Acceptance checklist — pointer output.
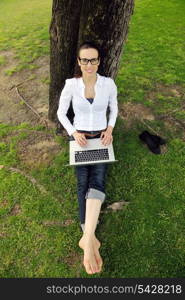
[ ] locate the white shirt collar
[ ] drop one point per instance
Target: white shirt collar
(98, 81)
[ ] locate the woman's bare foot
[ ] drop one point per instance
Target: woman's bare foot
(92, 259)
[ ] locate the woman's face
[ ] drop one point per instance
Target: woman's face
(88, 69)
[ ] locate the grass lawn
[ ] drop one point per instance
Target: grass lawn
(38, 204)
(25, 29)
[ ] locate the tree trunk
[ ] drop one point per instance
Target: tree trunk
(64, 30)
(73, 22)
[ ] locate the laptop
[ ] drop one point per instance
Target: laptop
(93, 152)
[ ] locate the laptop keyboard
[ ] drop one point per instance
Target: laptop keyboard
(91, 155)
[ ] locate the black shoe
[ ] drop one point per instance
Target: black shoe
(158, 140)
(153, 141)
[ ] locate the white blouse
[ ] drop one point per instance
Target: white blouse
(88, 117)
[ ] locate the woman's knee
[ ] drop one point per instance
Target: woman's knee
(97, 177)
(82, 181)
(82, 174)
(93, 193)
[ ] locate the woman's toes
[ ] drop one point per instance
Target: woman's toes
(100, 263)
(92, 259)
(94, 267)
(88, 267)
(98, 259)
(91, 265)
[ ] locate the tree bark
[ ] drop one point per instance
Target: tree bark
(64, 30)
(73, 22)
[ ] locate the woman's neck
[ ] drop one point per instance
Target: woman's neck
(89, 80)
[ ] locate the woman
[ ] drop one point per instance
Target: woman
(91, 94)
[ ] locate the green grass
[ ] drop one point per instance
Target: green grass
(154, 55)
(25, 30)
(147, 238)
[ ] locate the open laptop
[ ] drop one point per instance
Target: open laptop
(93, 152)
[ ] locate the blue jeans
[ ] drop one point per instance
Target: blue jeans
(90, 184)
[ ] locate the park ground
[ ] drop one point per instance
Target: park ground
(142, 222)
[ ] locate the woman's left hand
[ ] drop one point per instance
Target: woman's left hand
(106, 136)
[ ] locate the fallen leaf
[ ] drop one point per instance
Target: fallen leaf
(117, 205)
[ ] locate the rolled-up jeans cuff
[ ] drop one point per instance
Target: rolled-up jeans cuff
(95, 194)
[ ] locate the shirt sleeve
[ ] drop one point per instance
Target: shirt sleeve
(113, 104)
(64, 103)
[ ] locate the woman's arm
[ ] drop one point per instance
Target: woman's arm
(64, 102)
(113, 104)
(106, 135)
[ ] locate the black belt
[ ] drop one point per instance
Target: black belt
(91, 132)
(71, 138)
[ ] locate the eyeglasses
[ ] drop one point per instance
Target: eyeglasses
(93, 61)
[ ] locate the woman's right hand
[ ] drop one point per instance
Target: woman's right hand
(80, 138)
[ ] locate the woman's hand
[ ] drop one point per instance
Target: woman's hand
(80, 138)
(106, 136)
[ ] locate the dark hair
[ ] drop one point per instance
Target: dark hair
(85, 45)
